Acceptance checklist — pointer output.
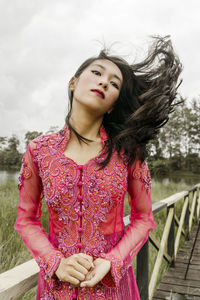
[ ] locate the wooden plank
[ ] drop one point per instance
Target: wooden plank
(18, 280)
(158, 206)
(165, 294)
(171, 237)
(188, 247)
(185, 261)
(178, 235)
(180, 289)
(183, 265)
(179, 273)
(174, 198)
(193, 283)
(186, 253)
(177, 223)
(159, 258)
(173, 279)
(156, 244)
(192, 210)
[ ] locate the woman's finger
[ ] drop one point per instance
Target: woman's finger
(73, 280)
(89, 275)
(78, 267)
(74, 273)
(85, 260)
(92, 282)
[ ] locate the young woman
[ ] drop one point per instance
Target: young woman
(85, 170)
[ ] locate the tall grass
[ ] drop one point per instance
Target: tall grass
(12, 250)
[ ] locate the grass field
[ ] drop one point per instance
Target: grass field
(12, 250)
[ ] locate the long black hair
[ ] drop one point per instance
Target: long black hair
(147, 97)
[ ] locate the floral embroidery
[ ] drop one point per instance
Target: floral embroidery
(47, 296)
(49, 264)
(101, 191)
(118, 270)
(143, 174)
(25, 173)
(80, 202)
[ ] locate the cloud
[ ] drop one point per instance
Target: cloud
(43, 43)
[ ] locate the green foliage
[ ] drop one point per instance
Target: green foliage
(158, 166)
(10, 157)
(177, 147)
(30, 135)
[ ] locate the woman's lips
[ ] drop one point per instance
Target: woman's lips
(99, 93)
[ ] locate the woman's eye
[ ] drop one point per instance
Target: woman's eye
(96, 72)
(115, 85)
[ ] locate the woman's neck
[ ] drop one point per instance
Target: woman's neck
(86, 126)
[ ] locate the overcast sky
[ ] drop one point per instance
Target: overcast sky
(42, 43)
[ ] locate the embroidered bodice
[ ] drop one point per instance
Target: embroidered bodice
(85, 207)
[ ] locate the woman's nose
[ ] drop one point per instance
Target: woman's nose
(104, 84)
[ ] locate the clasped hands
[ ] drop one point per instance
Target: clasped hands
(82, 271)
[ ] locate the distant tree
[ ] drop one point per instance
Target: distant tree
(13, 143)
(30, 135)
(10, 158)
(177, 147)
(3, 141)
(194, 128)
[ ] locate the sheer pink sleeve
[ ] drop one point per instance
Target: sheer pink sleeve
(141, 222)
(28, 222)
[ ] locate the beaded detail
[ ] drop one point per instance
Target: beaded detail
(25, 173)
(118, 269)
(49, 264)
(143, 175)
(85, 214)
(101, 190)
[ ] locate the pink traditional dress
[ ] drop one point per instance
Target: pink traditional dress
(85, 215)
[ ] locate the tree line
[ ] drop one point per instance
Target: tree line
(176, 148)
(10, 156)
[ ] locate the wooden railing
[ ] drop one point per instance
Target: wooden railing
(22, 278)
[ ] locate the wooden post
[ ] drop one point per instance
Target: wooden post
(186, 223)
(196, 208)
(143, 271)
(192, 213)
(198, 200)
(171, 239)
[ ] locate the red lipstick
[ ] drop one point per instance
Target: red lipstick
(99, 93)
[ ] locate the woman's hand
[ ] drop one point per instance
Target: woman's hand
(74, 268)
(101, 268)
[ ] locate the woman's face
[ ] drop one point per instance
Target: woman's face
(98, 86)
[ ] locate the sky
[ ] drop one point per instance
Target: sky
(43, 42)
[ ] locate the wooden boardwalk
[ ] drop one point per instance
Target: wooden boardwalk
(173, 285)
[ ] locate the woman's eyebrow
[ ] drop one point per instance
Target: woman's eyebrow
(114, 75)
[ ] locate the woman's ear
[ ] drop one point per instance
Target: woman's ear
(72, 84)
